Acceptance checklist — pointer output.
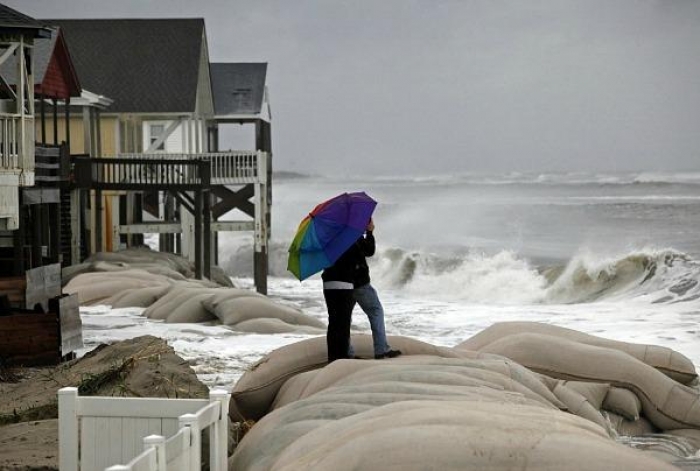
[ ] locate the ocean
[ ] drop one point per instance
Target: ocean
(614, 255)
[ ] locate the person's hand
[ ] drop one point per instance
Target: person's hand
(370, 225)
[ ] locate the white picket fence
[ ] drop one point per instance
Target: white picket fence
(148, 434)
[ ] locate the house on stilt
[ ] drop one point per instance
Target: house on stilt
(157, 168)
(38, 324)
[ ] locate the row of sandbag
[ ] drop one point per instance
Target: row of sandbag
(597, 379)
(432, 408)
(170, 265)
(637, 397)
(662, 379)
(178, 300)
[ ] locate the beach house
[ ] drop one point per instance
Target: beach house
(37, 323)
(158, 75)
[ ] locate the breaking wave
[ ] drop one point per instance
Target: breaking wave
(657, 276)
(650, 275)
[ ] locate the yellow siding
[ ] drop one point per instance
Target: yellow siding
(108, 133)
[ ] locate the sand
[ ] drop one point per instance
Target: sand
(141, 367)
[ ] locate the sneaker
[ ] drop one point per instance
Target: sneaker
(388, 354)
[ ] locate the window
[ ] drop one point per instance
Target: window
(156, 131)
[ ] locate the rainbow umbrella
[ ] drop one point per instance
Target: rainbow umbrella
(328, 231)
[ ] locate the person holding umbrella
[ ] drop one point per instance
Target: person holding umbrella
(322, 242)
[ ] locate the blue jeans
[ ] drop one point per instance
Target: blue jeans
(366, 297)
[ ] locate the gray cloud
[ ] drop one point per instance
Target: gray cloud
(411, 86)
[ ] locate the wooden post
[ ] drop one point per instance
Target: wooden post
(87, 131)
(19, 239)
(75, 225)
(36, 235)
(127, 210)
(197, 246)
(67, 118)
(137, 239)
(263, 144)
(206, 210)
(54, 211)
(98, 220)
(207, 233)
(42, 108)
(55, 122)
(169, 211)
(260, 260)
(98, 133)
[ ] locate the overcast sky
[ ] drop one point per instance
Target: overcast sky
(435, 86)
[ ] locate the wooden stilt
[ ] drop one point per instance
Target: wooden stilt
(207, 233)
(36, 235)
(98, 220)
(19, 241)
(54, 211)
(55, 122)
(197, 246)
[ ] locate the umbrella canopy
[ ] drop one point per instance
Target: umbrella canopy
(328, 231)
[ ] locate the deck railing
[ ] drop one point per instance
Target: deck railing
(97, 432)
(121, 173)
(233, 167)
(16, 153)
(177, 171)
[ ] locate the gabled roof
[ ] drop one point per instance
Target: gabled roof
(238, 88)
(54, 73)
(14, 21)
(144, 65)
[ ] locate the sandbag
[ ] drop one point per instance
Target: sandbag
(256, 389)
(671, 363)
(137, 297)
(158, 269)
(165, 263)
(93, 288)
(145, 255)
(244, 308)
(293, 389)
(630, 428)
(594, 393)
(667, 403)
(271, 325)
(227, 294)
(577, 403)
(440, 435)
(190, 310)
(435, 375)
(623, 402)
(177, 294)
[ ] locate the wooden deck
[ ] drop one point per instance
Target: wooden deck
(197, 181)
(178, 172)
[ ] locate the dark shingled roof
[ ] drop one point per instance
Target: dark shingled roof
(42, 54)
(238, 88)
(13, 20)
(43, 49)
(144, 65)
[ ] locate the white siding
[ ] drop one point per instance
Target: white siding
(175, 143)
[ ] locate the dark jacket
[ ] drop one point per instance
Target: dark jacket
(343, 269)
(352, 267)
(364, 247)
